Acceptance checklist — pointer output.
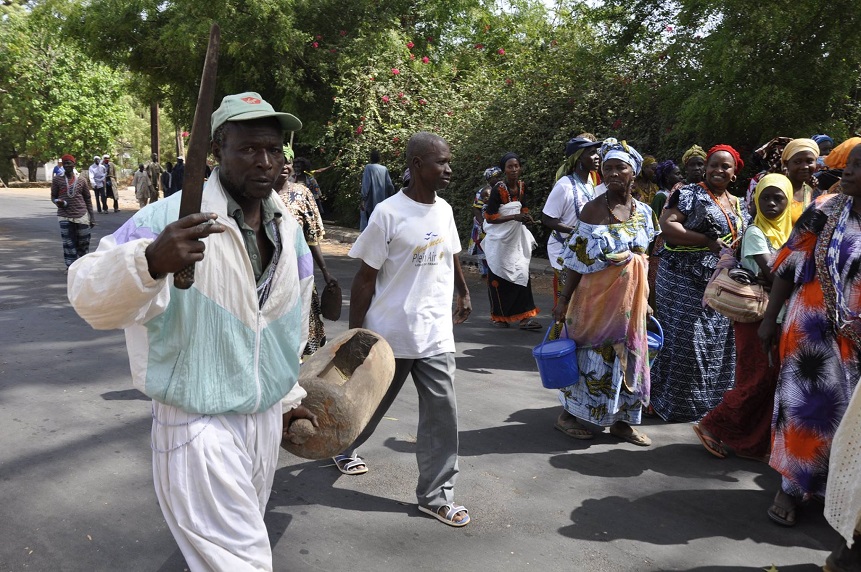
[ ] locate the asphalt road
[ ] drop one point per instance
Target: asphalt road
(76, 486)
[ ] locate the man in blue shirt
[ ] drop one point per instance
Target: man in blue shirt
(376, 187)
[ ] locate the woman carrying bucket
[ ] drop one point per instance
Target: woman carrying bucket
(606, 267)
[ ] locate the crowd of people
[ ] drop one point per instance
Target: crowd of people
(633, 237)
(634, 240)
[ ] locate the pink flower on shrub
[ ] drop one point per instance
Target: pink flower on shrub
(412, 56)
(410, 45)
(395, 139)
(425, 60)
(332, 51)
(400, 94)
(395, 71)
(315, 45)
(479, 46)
(429, 39)
(359, 129)
(319, 37)
(500, 51)
(422, 102)
(508, 81)
(617, 124)
(385, 99)
(343, 32)
(185, 133)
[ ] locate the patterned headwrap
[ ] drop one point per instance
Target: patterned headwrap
(624, 152)
(492, 172)
(770, 153)
(606, 145)
(822, 139)
(694, 151)
(777, 230)
(840, 154)
(739, 164)
(68, 157)
(663, 169)
(796, 146)
(506, 158)
(648, 160)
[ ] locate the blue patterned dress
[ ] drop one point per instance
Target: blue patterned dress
(697, 363)
(609, 390)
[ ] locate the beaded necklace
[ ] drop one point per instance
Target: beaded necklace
(612, 214)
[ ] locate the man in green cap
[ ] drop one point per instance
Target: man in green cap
(221, 359)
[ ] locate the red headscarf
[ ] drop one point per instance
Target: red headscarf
(739, 164)
(68, 157)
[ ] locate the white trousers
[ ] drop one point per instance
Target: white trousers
(213, 476)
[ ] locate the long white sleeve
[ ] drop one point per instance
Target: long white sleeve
(112, 287)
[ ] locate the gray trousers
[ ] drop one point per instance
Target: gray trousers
(436, 439)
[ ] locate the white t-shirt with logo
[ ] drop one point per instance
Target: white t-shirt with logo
(565, 202)
(412, 245)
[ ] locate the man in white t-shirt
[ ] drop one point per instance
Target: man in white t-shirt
(403, 291)
(561, 212)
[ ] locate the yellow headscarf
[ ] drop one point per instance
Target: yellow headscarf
(776, 230)
(798, 145)
(694, 151)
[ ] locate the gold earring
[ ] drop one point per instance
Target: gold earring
(733, 179)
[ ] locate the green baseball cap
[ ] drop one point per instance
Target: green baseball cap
(247, 106)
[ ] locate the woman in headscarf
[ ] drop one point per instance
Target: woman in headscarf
(605, 262)
(508, 249)
(826, 144)
(742, 420)
(829, 180)
(645, 185)
(573, 189)
(697, 363)
(694, 164)
(301, 204)
(799, 164)
(491, 177)
(767, 159)
(819, 272)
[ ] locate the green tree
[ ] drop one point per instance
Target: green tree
(53, 100)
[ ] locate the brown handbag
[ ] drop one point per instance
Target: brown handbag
(330, 302)
(739, 300)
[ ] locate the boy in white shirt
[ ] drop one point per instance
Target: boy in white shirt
(403, 291)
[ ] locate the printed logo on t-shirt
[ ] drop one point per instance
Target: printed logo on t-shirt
(428, 254)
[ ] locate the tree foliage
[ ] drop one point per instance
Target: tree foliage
(53, 100)
(488, 76)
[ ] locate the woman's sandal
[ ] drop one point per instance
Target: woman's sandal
(531, 325)
(500, 324)
(350, 465)
(451, 511)
(634, 437)
(711, 444)
(575, 430)
(788, 505)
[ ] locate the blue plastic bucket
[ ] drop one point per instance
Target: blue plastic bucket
(557, 361)
(655, 336)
